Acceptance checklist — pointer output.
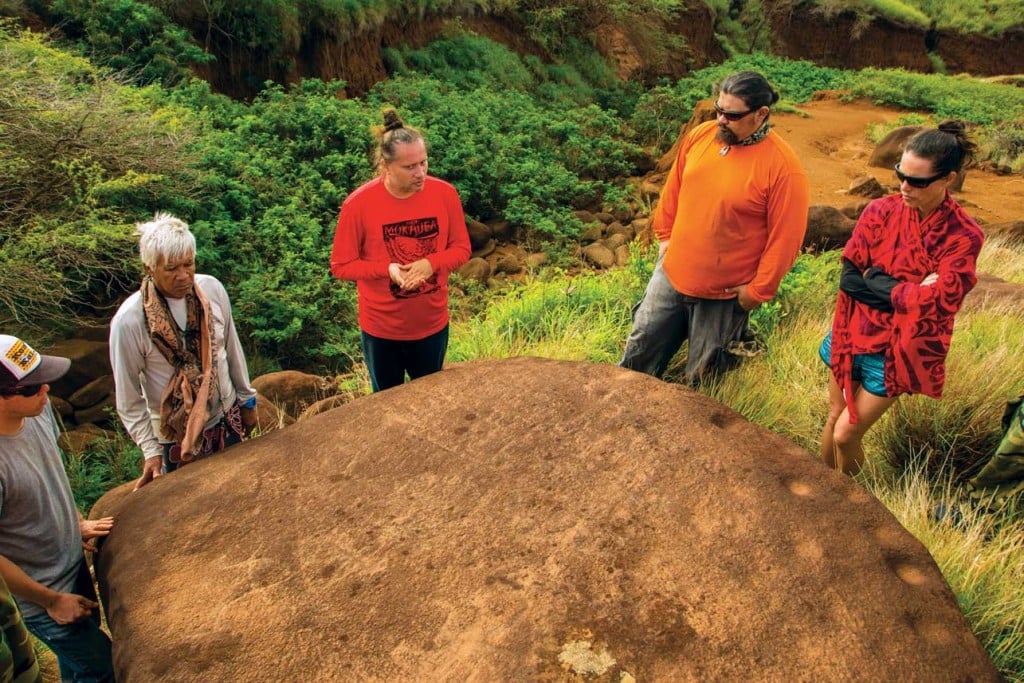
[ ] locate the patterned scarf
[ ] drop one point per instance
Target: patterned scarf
(184, 406)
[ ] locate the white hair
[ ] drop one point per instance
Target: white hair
(165, 238)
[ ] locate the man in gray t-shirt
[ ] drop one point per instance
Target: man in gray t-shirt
(41, 530)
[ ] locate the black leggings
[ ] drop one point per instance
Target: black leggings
(388, 359)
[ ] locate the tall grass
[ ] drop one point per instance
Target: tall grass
(569, 318)
(981, 556)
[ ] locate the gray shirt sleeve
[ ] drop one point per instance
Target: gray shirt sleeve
(128, 361)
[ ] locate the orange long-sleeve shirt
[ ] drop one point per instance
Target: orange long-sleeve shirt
(731, 219)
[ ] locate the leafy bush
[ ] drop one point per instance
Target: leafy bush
(510, 156)
(132, 37)
(103, 465)
(662, 111)
(83, 157)
(877, 131)
(272, 176)
(958, 97)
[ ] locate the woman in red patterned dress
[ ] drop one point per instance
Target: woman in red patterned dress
(906, 269)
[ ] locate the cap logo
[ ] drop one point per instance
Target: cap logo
(23, 357)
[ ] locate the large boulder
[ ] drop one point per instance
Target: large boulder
(523, 519)
(889, 149)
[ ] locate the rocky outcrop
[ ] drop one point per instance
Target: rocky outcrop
(523, 519)
(853, 40)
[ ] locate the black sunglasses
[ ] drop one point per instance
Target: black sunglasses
(25, 392)
(915, 181)
(731, 115)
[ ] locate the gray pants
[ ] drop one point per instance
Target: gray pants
(664, 319)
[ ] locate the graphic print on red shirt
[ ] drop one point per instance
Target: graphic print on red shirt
(410, 241)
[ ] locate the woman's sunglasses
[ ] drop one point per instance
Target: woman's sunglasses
(731, 115)
(25, 392)
(915, 181)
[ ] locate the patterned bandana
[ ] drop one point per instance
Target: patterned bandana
(756, 136)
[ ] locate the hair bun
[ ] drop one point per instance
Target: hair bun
(954, 128)
(392, 121)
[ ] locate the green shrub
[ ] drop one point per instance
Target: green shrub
(510, 156)
(877, 131)
(958, 97)
(83, 157)
(131, 37)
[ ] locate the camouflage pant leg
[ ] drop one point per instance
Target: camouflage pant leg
(17, 656)
(1002, 478)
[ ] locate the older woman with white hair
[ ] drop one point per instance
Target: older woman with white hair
(182, 383)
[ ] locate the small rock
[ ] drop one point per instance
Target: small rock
(599, 255)
(486, 250)
(614, 241)
(479, 233)
(93, 392)
(475, 268)
(866, 186)
(509, 265)
(592, 234)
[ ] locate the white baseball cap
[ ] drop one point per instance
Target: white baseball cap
(21, 365)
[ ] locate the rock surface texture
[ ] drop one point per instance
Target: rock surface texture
(523, 519)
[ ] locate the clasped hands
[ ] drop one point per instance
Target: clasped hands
(411, 275)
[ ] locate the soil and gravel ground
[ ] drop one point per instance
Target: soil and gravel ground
(831, 139)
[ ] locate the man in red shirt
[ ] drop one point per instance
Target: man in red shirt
(730, 222)
(398, 237)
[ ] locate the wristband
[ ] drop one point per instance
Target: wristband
(249, 404)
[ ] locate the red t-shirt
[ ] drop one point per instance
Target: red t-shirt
(376, 229)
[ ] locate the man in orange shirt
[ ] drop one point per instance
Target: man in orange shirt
(730, 222)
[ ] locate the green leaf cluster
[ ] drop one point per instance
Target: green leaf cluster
(130, 37)
(81, 153)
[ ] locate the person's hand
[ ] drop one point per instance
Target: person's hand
(67, 608)
(397, 275)
(746, 302)
(662, 248)
(930, 279)
(250, 419)
(92, 529)
(151, 470)
(417, 273)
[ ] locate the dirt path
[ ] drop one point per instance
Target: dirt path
(832, 143)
